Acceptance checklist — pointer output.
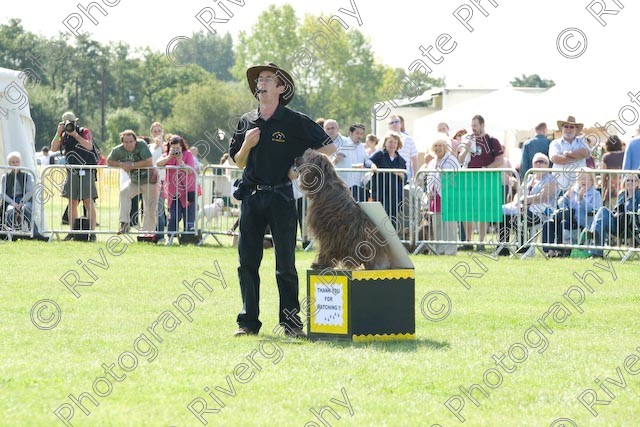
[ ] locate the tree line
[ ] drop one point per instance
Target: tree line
(202, 90)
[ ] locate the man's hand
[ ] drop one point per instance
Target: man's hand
(60, 129)
(293, 173)
(252, 137)
(126, 166)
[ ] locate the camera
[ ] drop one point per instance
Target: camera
(175, 151)
(69, 126)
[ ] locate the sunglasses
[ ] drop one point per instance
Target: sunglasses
(568, 127)
(394, 122)
(540, 161)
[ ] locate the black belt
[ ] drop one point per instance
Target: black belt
(260, 187)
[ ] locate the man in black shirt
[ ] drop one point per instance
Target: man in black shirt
(266, 143)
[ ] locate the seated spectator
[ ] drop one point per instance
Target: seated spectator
(577, 208)
(16, 190)
(612, 159)
(443, 161)
(387, 188)
(540, 200)
(622, 220)
(180, 185)
(133, 157)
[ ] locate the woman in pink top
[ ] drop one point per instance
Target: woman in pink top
(180, 184)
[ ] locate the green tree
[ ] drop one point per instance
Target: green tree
(118, 121)
(532, 80)
(205, 108)
(46, 104)
(213, 53)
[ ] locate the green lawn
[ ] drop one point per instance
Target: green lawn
(385, 384)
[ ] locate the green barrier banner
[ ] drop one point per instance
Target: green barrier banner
(472, 196)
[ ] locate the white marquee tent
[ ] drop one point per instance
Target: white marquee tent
(17, 130)
(504, 111)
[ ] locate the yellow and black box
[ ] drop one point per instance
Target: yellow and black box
(361, 305)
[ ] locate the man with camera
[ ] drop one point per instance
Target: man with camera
(134, 157)
(76, 143)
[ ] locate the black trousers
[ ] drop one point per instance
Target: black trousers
(278, 210)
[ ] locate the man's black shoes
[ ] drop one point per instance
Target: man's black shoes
(244, 331)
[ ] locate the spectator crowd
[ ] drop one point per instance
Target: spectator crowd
(569, 197)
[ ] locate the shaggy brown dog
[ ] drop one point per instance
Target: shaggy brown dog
(346, 236)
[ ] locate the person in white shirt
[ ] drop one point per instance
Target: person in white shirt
(408, 152)
(332, 129)
(569, 153)
(156, 148)
(46, 157)
(352, 154)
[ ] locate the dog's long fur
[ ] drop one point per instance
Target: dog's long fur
(336, 221)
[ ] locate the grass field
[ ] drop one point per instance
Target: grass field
(377, 384)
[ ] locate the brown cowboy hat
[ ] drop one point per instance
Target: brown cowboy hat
(570, 121)
(285, 78)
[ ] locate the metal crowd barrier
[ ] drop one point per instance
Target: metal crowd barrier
(428, 212)
(585, 218)
(116, 199)
(219, 212)
(18, 221)
(446, 199)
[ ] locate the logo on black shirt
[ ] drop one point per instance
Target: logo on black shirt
(277, 137)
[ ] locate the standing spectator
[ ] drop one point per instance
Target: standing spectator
(198, 164)
(371, 144)
(180, 186)
(351, 154)
(538, 144)
(265, 144)
(408, 152)
(568, 153)
(442, 161)
(333, 130)
(77, 145)
(157, 149)
(46, 158)
(443, 128)
(631, 160)
(133, 157)
(387, 187)
(16, 189)
(486, 152)
(612, 159)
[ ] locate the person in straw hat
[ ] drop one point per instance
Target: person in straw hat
(568, 153)
(265, 144)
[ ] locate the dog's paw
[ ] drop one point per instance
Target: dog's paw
(317, 266)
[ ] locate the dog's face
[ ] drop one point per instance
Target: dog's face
(314, 168)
